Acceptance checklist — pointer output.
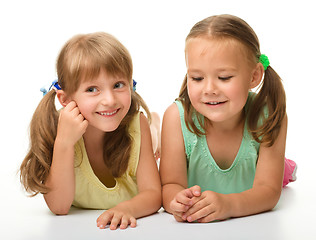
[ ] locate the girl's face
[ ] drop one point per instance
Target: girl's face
(104, 101)
(219, 77)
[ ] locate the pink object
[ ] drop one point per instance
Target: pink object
(289, 171)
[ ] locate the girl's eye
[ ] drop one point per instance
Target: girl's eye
(197, 78)
(92, 89)
(119, 85)
(225, 78)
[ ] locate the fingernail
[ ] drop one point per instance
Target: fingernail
(189, 219)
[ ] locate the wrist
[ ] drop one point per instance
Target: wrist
(125, 207)
(63, 143)
(234, 205)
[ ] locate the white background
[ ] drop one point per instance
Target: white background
(33, 32)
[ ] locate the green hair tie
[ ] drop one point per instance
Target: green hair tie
(265, 61)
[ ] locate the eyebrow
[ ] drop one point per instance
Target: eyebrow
(194, 71)
(221, 69)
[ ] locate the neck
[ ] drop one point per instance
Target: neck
(93, 138)
(228, 125)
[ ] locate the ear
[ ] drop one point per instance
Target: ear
(257, 75)
(63, 98)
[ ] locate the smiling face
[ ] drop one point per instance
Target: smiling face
(219, 77)
(104, 101)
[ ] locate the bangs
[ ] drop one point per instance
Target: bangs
(84, 59)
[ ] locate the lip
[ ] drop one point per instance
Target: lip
(215, 103)
(109, 113)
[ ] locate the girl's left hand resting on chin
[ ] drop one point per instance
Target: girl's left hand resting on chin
(116, 216)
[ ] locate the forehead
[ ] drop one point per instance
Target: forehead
(213, 51)
(91, 75)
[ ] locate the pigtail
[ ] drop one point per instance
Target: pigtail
(43, 130)
(272, 95)
(141, 103)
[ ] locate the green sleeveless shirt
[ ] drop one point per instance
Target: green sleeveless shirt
(202, 169)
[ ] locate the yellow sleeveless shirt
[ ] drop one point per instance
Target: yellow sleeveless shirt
(91, 192)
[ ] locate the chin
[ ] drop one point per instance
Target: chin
(110, 128)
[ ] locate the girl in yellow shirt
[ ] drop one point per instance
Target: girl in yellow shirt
(97, 151)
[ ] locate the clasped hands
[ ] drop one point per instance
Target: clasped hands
(193, 205)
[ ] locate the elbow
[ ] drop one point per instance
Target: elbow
(59, 211)
(158, 201)
(273, 199)
(58, 206)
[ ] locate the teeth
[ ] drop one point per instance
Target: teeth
(108, 113)
(213, 103)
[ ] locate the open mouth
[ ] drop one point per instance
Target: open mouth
(214, 103)
(108, 113)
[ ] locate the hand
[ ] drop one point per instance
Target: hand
(183, 201)
(210, 206)
(116, 216)
(71, 124)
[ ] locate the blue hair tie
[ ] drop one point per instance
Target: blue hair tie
(54, 86)
(134, 85)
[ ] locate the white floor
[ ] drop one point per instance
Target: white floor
(29, 218)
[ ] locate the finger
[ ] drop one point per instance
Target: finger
(133, 222)
(178, 219)
(71, 105)
(179, 215)
(124, 222)
(115, 221)
(80, 118)
(199, 203)
(201, 213)
(75, 111)
(184, 197)
(85, 124)
(208, 218)
(104, 219)
(178, 207)
(196, 190)
(195, 200)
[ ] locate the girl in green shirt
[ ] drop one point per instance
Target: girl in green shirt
(223, 147)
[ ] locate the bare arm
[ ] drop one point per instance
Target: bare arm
(61, 178)
(267, 186)
(173, 168)
(148, 199)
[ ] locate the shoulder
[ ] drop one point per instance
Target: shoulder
(142, 119)
(172, 112)
(171, 125)
(143, 122)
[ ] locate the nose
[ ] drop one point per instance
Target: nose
(210, 87)
(108, 98)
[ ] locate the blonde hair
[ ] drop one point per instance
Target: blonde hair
(271, 94)
(81, 58)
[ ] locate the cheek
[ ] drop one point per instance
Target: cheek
(127, 100)
(239, 95)
(192, 91)
(85, 108)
